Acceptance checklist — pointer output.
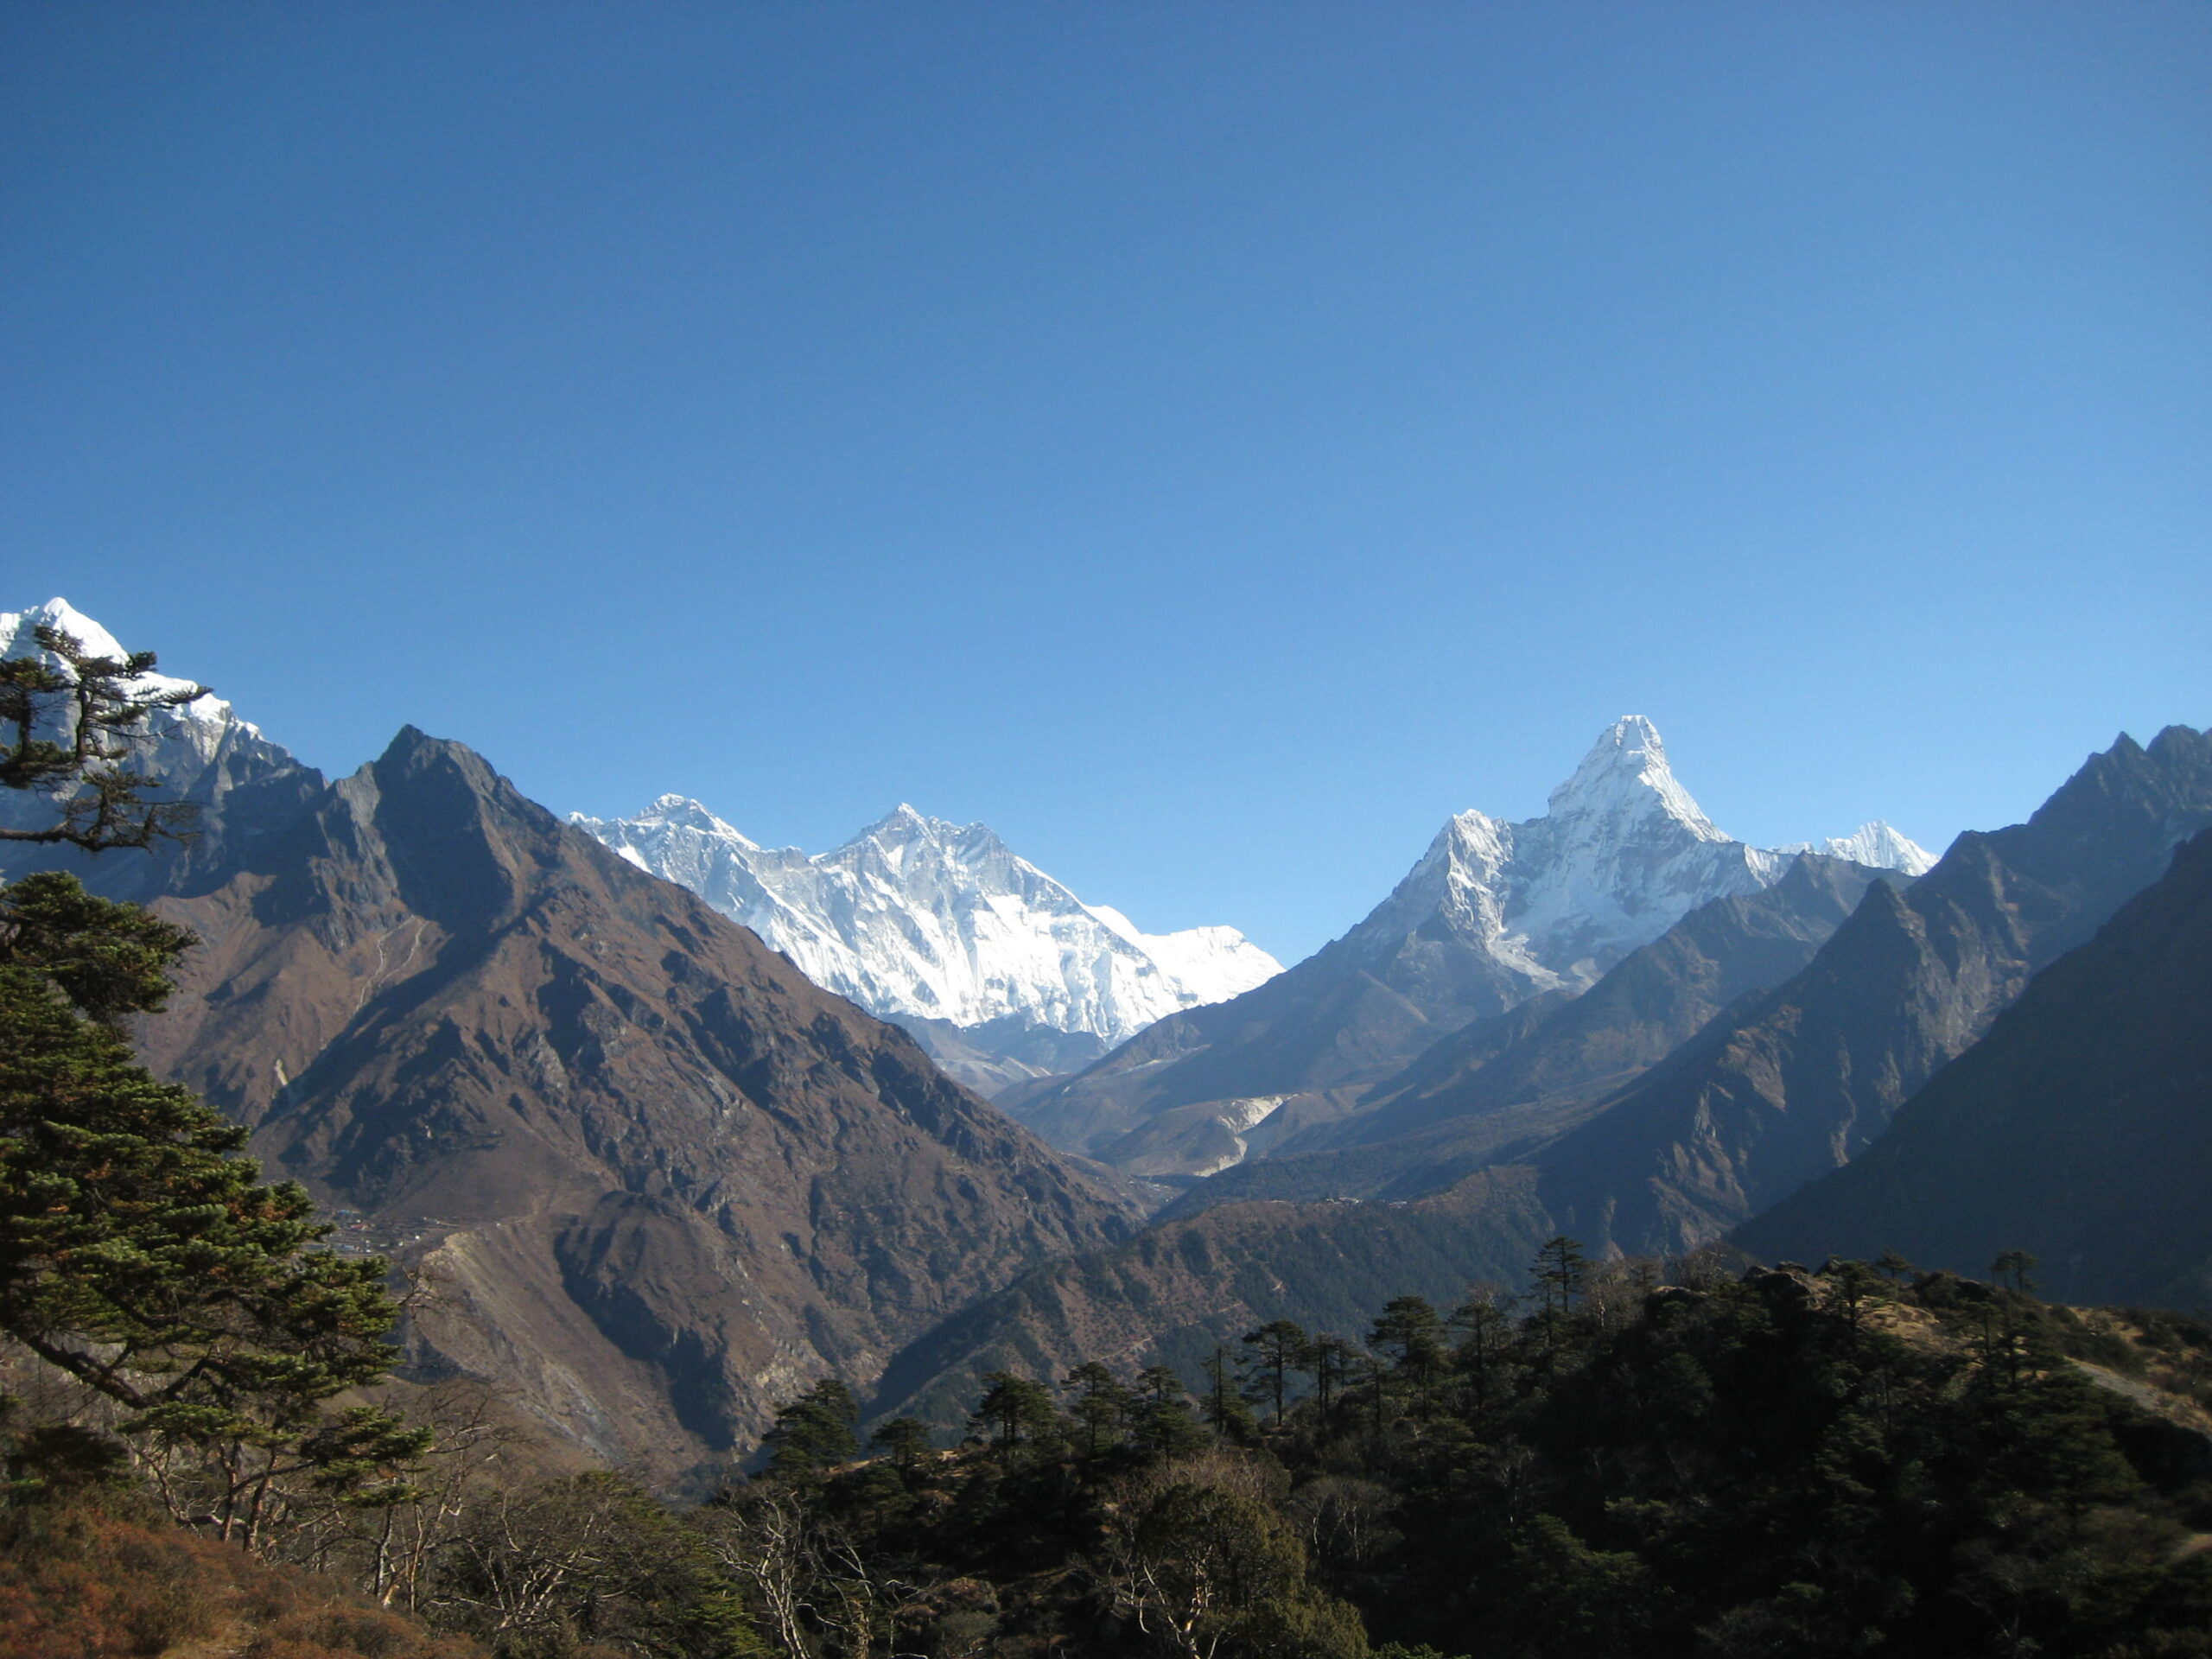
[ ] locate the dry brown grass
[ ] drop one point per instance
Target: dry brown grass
(97, 1578)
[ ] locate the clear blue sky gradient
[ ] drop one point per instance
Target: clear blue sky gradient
(1209, 443)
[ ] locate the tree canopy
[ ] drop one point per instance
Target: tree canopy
(141, 1252)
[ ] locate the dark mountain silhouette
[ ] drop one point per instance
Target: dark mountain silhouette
(1781, 1094)
(2079, 1129)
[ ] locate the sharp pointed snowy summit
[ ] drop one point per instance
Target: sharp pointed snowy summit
(1621, 853)
(1496, 913)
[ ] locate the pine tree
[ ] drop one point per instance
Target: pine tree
(2016, 1268)
(1409, 1331)
(1165, 1424)
(1562, 1271)
(140, 1251)
(903, 1440)
(815, 1431)
(1014, 1409)
(1278, 1348)
(1225, 1409)
(1329, 1360)
(1486, 1334)
(66, 731)
(1102, 1405)
(111, 961)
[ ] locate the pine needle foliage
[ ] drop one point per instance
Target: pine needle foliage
(142, 1253)
(69, 720)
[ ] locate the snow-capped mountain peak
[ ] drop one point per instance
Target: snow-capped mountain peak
(18, 638)
(1873, 843)
(917, 917)
(683, 811)
(195, 753)
(1621, 853)
(1623, 779)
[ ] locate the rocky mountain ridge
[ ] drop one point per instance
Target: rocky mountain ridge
(660, 1180)
(2079, 1129)
(1498, 1144)
(1520, 1080)
(1800, 1082)
(1495, 913)
(652, 1179)
(657, 1180)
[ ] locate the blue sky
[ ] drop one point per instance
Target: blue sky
(1209, 443)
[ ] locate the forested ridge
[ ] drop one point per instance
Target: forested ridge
(1769, 1461)
(1731, 1462)
(1635, 1460)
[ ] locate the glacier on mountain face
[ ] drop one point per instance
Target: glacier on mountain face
(1621, 855)
(916, 918)
(1875, 844)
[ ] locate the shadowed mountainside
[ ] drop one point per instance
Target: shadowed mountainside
(1907, 983)
(1514, 1080)
(1493, 915)
(2079, 1129)
(1182, 1286)
(1763, 1104)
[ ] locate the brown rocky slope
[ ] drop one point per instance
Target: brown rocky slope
(655, 1179)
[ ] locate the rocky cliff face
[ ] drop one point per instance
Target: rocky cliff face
(655, 1179)
(2079, 1129)
(1494, 914)
(1002, 971)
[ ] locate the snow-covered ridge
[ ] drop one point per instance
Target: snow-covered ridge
(202, 725)
(1621, 853)
(1873, 843)
(917, 918)
(196, 752)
